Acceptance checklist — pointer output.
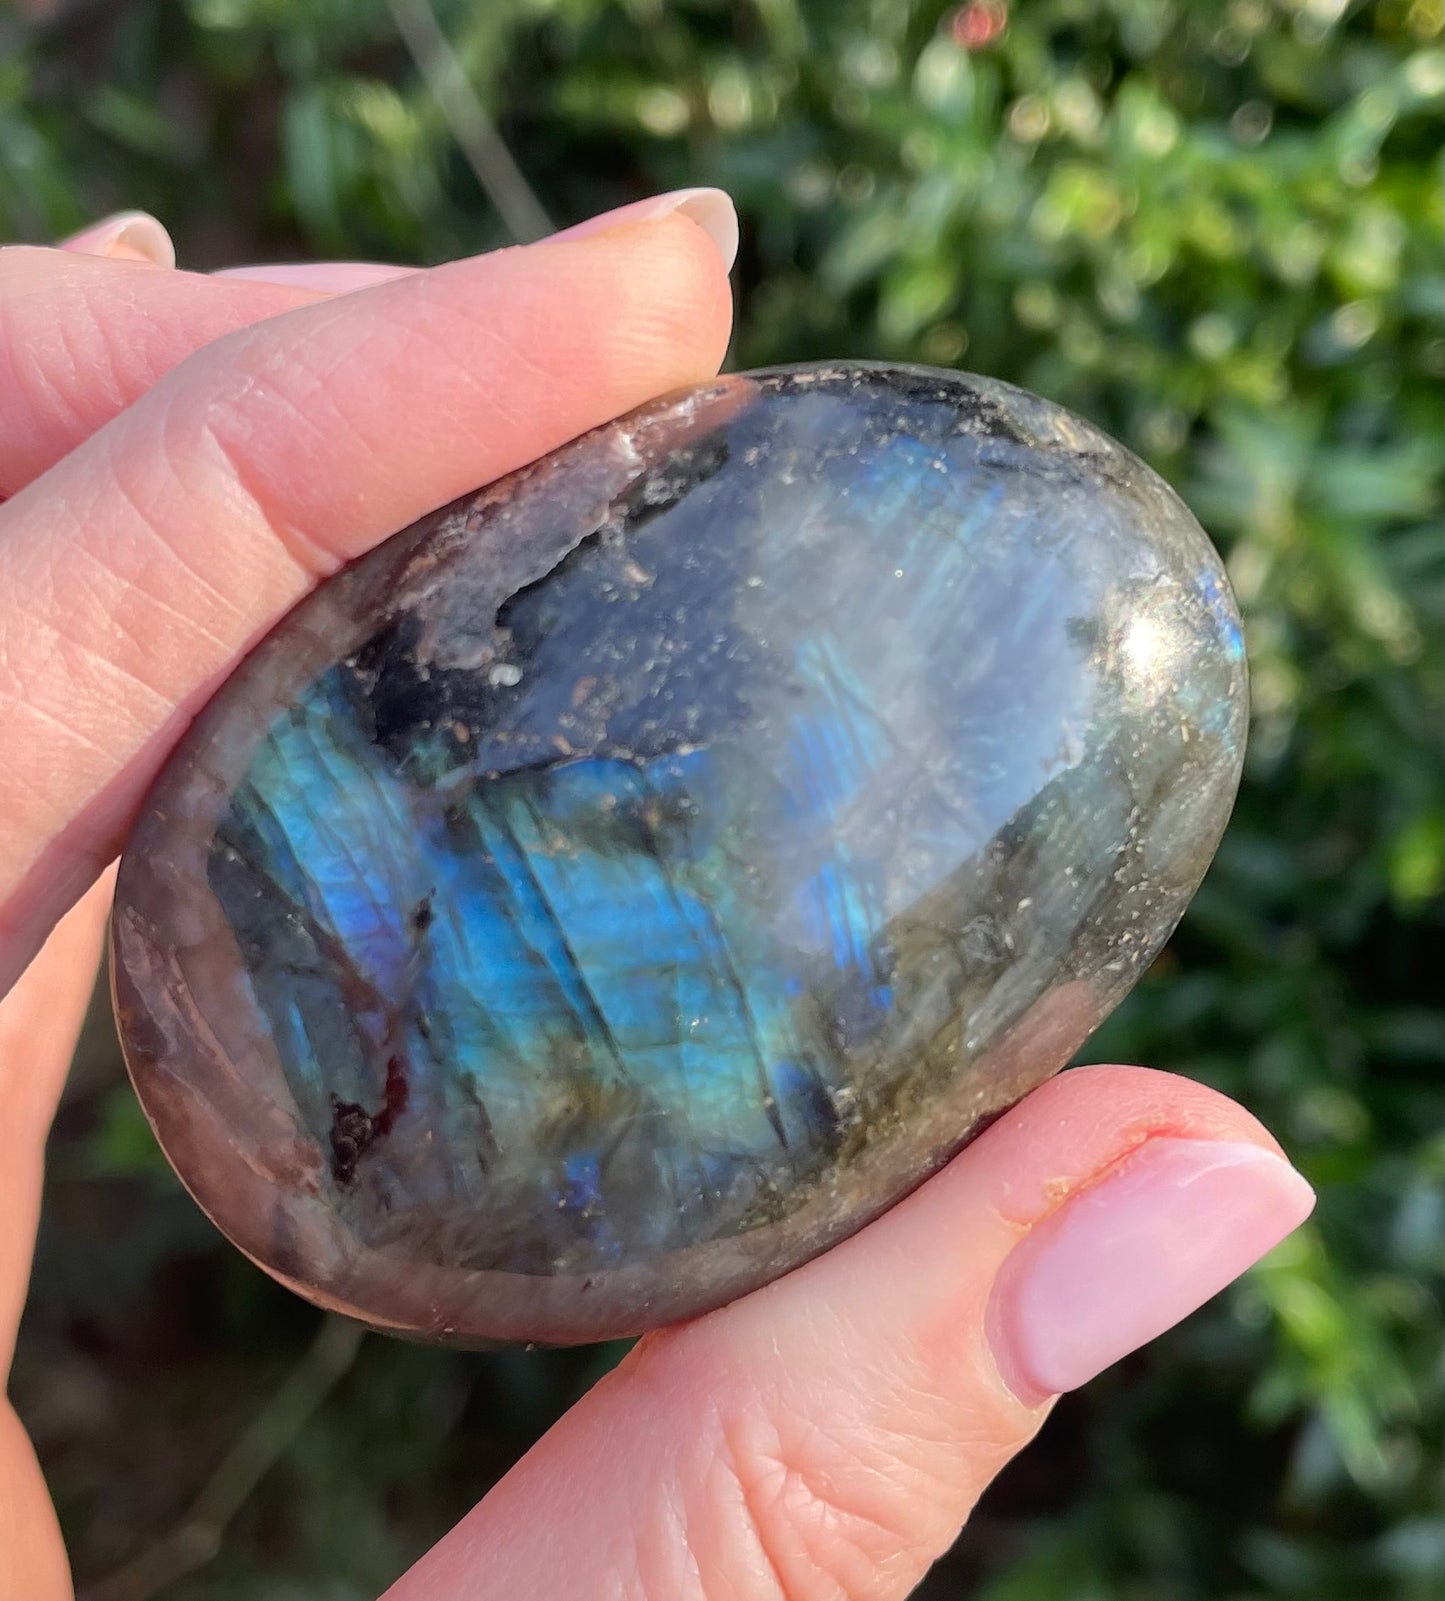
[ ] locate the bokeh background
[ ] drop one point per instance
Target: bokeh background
(1214, 228)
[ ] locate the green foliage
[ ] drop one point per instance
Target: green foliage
(1212, 227)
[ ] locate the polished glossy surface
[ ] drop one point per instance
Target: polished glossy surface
(632, 878)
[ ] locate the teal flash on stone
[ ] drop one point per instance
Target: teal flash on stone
(631, 879)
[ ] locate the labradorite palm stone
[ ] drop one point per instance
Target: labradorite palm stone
(632, 878)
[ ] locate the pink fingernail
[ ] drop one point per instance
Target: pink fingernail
(334, 277)
(1129, 1256)
(711, 209)
(127, 236)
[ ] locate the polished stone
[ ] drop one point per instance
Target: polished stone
(632, 878)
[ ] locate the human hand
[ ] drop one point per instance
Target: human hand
(185, 457)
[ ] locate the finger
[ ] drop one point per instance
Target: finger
(39, 1024)
(82, 337)
(827, 1436)
(32, 1554)
(126, 236)
(711, 209)
(333, 277)
(136, 572)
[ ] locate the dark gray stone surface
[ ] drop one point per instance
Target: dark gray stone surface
(634, 877)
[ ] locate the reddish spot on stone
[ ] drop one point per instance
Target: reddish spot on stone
(394, 1105)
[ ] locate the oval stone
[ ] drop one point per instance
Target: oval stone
(629, 880)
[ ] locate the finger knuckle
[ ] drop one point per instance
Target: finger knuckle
(842, 1508)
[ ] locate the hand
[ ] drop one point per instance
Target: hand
(185, 457)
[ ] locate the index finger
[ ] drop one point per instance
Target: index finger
(136, 572)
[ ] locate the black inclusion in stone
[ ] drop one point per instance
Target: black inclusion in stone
(354, 1130)
(632, 878)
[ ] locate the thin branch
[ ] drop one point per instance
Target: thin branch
(474, 131)
(196, 1539)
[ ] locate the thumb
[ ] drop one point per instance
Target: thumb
(828, 1435)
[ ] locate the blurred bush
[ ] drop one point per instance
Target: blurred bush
(1212, 227)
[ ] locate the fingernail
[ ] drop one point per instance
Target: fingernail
(711, 209)
(334, 277)
(1128, 1257)
(127, 236)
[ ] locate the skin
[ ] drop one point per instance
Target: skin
(825, 1437)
